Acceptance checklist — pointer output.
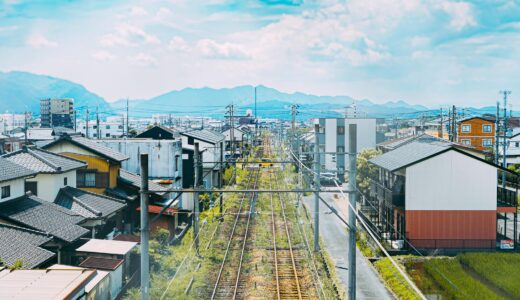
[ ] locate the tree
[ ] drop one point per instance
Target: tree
(366, 170)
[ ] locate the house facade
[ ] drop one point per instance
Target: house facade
(477, 132)
(431, 195)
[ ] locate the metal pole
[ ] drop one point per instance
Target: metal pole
(145, 230)
(504, 146)
(196, 206)
(317, 186)
(221, 176)
(25, 127)
(497, 130)
(352, 184)
(87, 119)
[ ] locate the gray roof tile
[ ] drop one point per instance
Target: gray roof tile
(38, 214)
(86, 204)
(24, 244)
(90, 145)
(10, 170)
(42, 161)
(135, 180)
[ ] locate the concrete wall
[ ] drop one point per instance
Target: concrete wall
(17, 188)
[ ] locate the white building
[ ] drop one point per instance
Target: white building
(10, 122)
(333, 137)
(12, 180)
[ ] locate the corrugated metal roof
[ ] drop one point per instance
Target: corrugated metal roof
(107, 247)
(408, 154)
(101, 263)
(205, 135)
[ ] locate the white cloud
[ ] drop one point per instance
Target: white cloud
(8, 28)
(38, 40)
(461, 14)
(419, 41)
(143, 60)
(211, 49)
(138, 11)
(103, 55)
(163, 13)
(177, 43)
(128, 35)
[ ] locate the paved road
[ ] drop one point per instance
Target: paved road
(333, 233)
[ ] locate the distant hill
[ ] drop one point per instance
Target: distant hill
(22, 91)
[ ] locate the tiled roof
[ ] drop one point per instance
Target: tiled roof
(22, 243)
(86, 204)
(10, 170)
(42, 161)
(135, 180)
(205, 135)
(409, 154)
(93, 262)
(38, 214)
(90, 145)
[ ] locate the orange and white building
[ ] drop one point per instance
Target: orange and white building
(477, 132)
(433, 195)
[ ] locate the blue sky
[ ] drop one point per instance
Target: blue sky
(427, 52)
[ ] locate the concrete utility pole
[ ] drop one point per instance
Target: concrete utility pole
(352, 185)
(127, 118)
(87, 119)
(504, 146)
(441, 133)
(221, 176)
(317, 187)
(256, 120)
(497, 132)
(25, 127)
(75, 120)
(196, 205)
(454, 123)
(145, 230)
(98, 130)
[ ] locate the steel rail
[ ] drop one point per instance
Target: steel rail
(274, 242)
(219, 276)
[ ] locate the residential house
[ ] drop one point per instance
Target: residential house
(103, 163)
(159, 132)
(477, 132)
(210, 145)
(239, 138)
(25, 245)
(12, 180)
(512, 150)
(433, 195)
(53, 171)
(333, 137)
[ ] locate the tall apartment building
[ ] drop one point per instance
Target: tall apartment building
(57, 113)
(333, 137)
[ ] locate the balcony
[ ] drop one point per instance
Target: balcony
(383, 193)
(506, 197)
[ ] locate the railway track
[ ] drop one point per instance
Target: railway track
(229, 283)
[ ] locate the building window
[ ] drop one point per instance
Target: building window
(120, 126)
(95, 127)
(65, 181)
(107, 135)
(321, 129)
(31, 186)
(486, 128)
(108, 127)
(6, 191)
(90, 179)
(517, 144)
(466, 128)
(341, 130)
(487, 142)
(466, 142)
(341, 149)
(176, 163)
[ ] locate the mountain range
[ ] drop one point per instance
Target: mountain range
(21, 91)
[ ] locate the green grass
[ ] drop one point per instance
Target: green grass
(454, 282)
(501, 269)
(394, 280)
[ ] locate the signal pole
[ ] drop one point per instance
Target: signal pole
(98, 130)
(87, 129)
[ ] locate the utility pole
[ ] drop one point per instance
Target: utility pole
(504, 146)
(196, 205)
(294, 111)
(87, 118)
(352, 185)
(454, 124)
(256, 120)
(221, 175)
(145, 230)
(127, 119)
(396, 127)
(25, 127)
(441, 133)
(98, 130)
(75, 120)
(497, 132)
(317, 187)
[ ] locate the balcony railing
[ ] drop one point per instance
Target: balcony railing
(383, 193)
(506, 197)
